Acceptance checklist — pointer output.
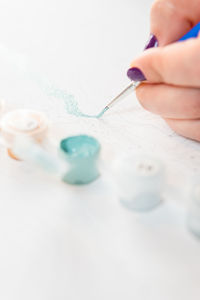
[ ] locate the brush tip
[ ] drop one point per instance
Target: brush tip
(103, 111)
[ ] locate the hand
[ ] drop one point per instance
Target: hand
(172, 72)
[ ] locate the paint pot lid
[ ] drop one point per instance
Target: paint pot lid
(80, 146)
(137, 166)
(23, 120)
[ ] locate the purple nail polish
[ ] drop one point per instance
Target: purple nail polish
(152, 42)
(136, 74)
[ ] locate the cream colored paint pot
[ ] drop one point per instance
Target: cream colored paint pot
(23, 122)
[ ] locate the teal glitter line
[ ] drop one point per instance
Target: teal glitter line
(22, 64)
(71, 105)
(73, 109)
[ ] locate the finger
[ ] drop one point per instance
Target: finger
(170, 101)
(186, 128)
(177, 64)
(171, 19)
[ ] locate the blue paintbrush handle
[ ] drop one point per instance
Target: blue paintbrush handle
(193, 33)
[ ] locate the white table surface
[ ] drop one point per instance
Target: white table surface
(63, 242)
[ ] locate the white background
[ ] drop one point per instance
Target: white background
(61, 242)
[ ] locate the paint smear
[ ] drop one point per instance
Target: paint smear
(22, 64)
(71, 105)
(73, 109)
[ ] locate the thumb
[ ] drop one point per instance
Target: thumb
(177, 64)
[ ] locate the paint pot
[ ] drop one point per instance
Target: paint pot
(139, 182)
(23, 122)
(81, 153)
(193, 217)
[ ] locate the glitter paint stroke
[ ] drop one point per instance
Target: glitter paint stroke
(22, 64)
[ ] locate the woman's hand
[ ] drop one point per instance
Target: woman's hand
(172, 89)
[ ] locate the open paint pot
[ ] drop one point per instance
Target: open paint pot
(81, 153)
(23, 122)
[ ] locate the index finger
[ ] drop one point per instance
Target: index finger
(171, 19)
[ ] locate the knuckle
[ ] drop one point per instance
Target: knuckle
(156, 6)
(163, 6)
(195, 107)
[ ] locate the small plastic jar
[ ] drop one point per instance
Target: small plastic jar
(23, 122)
(81, 153)
(139, 182)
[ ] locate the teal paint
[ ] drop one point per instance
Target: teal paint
(81, 152)
(71, 104)
(73, 109)
(21, 62)
(102, 112)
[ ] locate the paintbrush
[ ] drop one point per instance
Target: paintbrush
(193, 33)
(125, 92)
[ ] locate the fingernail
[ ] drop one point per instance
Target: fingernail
(135, 74)
(152, 42)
